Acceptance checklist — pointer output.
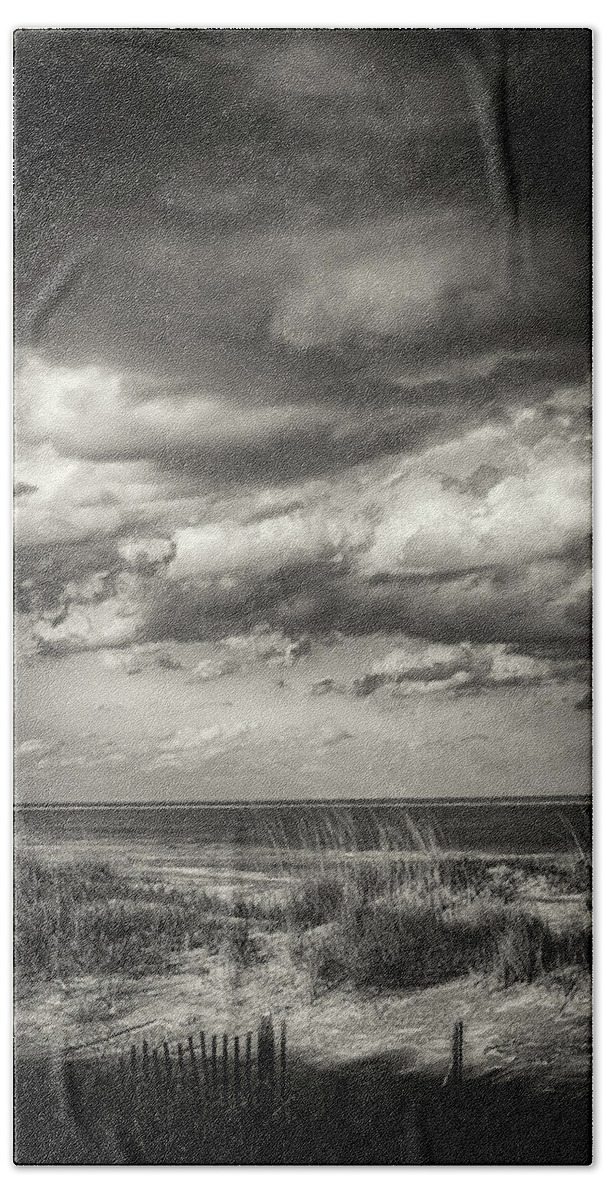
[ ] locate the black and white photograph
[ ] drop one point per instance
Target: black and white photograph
(302, 638)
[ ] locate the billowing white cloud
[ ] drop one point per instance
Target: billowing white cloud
(418, 666)
(144, 552)
(90, 413)
(208, 669)
(420, 660)
(495, 519)
(192, 745)
(538, 512)
(265, 645)
(115, 621)
(142, 658)
(227, 549)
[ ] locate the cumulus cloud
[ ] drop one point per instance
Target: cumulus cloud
(537, 513)
(88, 413)
(495, 554)
(417, 666)
(192, 738)
(192, 744)
(70, 501)
(112, 622)
(421, 661)
(147, 553)
(92, 415)
(274, 544)
(265, 645)
(482, 538)
(364, 408)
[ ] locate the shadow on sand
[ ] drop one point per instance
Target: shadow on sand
(375, 1111)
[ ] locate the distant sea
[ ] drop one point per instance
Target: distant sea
(501, 825)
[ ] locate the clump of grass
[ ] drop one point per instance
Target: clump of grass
(410, 914)
(86, 918)
(413, 915)
(529, 948)
(410, 945)
(316, 901)
(391, 945)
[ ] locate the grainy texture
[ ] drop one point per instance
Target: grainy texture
(302, 501)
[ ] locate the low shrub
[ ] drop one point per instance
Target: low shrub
(411, 945)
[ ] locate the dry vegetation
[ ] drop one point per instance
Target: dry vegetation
(389, 923)
(370, 957)
(86, 917)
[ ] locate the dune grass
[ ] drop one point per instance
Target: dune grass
(409, 915)
(408, 944)
(420, 919)
(87, 918)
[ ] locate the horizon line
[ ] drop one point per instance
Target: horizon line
(415, 802)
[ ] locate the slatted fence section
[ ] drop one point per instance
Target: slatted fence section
(220, 1091)
(221, 1095)
(206, 1099)
(230, 1073)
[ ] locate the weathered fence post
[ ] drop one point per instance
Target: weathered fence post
(134, 1065)
(193, 1063)
(168, 1064)
(156, 1069)
(214, 1061)
(283, 1059)
(237, 1070)
(248, 1065)
(454, 1072)
(266, 1057)
(146, 1060)
(204, 1058)
(160, 1093)
(457, 1047)
(225, 1067)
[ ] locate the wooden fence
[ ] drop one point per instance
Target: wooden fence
(239, 1070)
(206, 1098)
(220, 1097)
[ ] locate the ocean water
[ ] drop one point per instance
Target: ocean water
(508, 826)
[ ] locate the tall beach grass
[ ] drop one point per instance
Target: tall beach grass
(400, 911)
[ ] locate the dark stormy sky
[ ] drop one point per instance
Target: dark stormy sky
(302, 396)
